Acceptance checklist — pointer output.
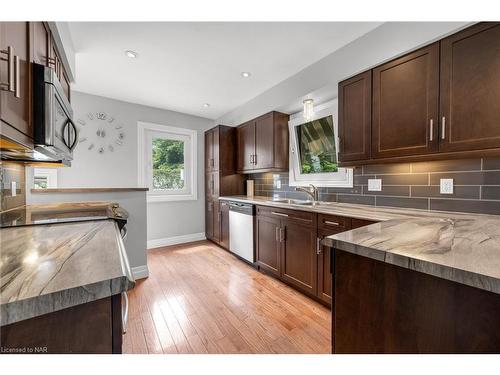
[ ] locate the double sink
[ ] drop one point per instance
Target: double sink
(299, 202)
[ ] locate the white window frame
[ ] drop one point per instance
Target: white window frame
(146, 131)
(50, 173)
(342, 178)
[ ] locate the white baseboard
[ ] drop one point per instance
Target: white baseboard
(167, 241)
(140, 272)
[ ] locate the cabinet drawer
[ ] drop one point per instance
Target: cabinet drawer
(305, 218)
(333, 222)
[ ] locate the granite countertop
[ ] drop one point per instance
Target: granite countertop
(45, 268)
(61, 213)
(460, 247)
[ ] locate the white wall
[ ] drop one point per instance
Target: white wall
(320, 79)
(119, 168)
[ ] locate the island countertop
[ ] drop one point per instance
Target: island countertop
(45, 268)
(460, 247)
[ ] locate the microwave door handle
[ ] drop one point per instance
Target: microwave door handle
(69, 124)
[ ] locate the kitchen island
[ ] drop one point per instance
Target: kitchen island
(61, 287)
(418, 285)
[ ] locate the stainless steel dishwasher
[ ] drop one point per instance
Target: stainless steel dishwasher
(241, 223)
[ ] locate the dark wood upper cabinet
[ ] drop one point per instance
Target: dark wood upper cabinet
(405, 104)
(29, 42)
(246, 146)
(355, 117)
(16, 105)
(263, 144)
(439, 102)
(470, 89)
(41, 43)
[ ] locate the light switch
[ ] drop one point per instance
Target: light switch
(374, 184)
(13, 188)
(446, 186)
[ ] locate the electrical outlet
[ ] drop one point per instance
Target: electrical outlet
(13, 188)
(446, 186)
(374, 184)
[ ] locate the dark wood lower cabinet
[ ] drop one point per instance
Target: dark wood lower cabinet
(209, 219)
(224, 224)
(381, 308)
(268, 246)
(90, 328)
(288, 246)
(298, 256)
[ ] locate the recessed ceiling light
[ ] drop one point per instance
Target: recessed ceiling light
(131, 54)
(206, 105)
(245, 74)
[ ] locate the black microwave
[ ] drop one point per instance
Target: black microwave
(55, 133)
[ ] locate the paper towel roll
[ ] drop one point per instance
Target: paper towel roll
(250, 188)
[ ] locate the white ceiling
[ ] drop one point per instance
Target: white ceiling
(183, 65)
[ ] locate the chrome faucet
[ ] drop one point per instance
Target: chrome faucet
(312, 191)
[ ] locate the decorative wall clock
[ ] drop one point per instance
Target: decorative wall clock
(100, 132)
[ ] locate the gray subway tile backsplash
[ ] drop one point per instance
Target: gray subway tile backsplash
(409, 185)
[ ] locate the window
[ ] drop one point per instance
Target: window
(167, 162)
(44, 178)
(313, 150)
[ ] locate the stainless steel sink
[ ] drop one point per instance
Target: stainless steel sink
(299, 202)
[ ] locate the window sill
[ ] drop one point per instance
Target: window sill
(170, 198)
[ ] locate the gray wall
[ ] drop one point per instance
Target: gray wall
(134, 202)
(319, 80)
(119, 168)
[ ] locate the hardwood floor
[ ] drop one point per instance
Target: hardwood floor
(201, 299)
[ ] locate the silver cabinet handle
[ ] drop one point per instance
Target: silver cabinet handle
(279, 214)
(318, 245)
(125, 313)
(255, 159)
(443, 128)
(331, 223)
(431, 130)
(277, 235)
(282, 234)
(17, 90)
(9, 86)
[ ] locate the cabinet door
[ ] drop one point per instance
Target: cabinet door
(215, 149)
(209, 150)
(212, 185)
(16, 111)
(217, 221)
(246, 146)
(41, 44)
(268, 245)
(405, 105)
(470, 89)
(355, 117)
(299, 258)
(224, 224)
(209, 219)
(324, 271)
(264, 142)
